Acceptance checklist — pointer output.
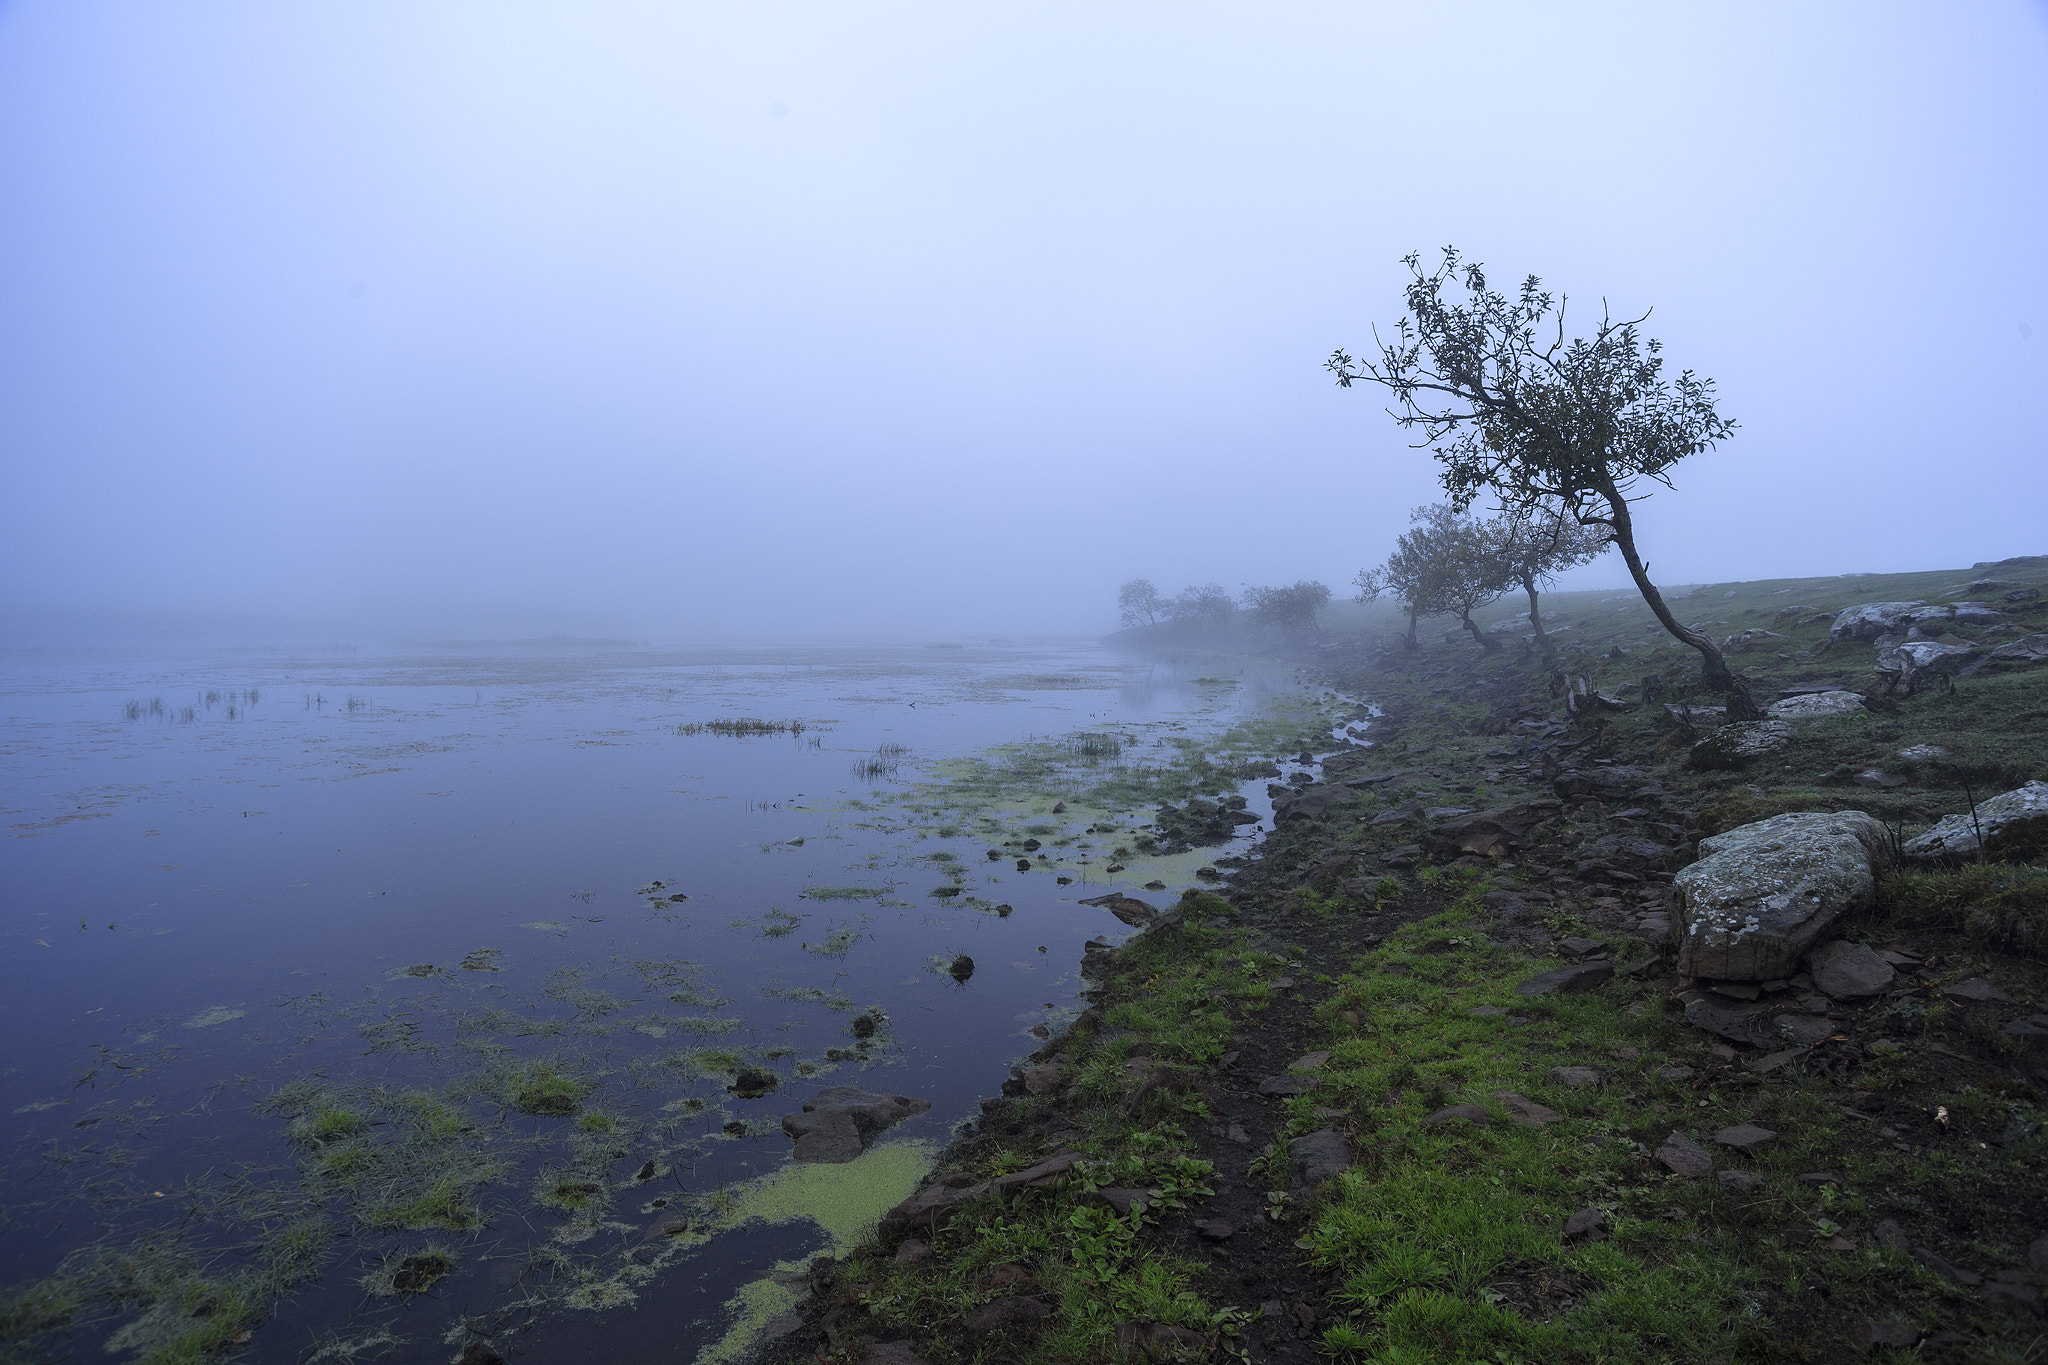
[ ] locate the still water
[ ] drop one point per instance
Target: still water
(361, 1006)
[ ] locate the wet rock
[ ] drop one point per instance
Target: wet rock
(1849, 971)
(1039, 1080)
(1684, 1157)
(1459, 1113)
(837, 1125)
(1490, 833)
(1005, 1315)
(1586, 1223)
(1042, 1175)
(1319, 1156)
(1525, 1112)
(2014, 825)
(1129, 909)
(1575, 979)
(1575, 1077)
(1815, 705)
(1734, 747)
(1745, 1137)
(1313, 803)
(1762, 893)
(929, 1208)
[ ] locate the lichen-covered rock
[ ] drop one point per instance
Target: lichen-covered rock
(1908, 658)
(1739, 745)
(1763, 893)
(2031, 649)
(1873, 619)
(1814, 705)
(2014, 825)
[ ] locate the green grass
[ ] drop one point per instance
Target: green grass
(547, 1089)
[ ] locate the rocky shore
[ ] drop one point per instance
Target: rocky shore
(1554, 1021)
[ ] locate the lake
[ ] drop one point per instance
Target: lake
(364, 1004)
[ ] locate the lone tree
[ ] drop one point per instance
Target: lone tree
(1506, 403)
(1447, 564)
(1538, 542)
(1140, 604)
(1293, 607)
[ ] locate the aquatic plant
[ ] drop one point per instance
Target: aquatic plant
(742, 727)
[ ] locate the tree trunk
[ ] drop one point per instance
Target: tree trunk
(1481, 638)
(1409, 640)
(1714, 670)
(1536, 617)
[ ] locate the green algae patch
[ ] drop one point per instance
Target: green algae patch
(846, 1200)
(754, 1306)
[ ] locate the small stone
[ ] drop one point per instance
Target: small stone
(999, 1315)
(1040, 1080)
(1585, 1223)
(1580, 947)
(2023, 1295)
(1469, 1113)
(1819, 1177)
(1319, 1156)
(1737, 990)
(1122, 1200)
(889, 1353)
(1771, 1061)
(1740, 1180)
(1683, 1157)
(1849, 971)
(1576, 1077)
(1676, 1075)
(1573, 980)
(913, 1252)
(1746, 1137)
(1286, 1085)
(1889, 1235)
(1526, 1112)
(1308, 1061)
(1871, 1335)
(1968, 1279)
(1487, 1011)
(1215, 1229)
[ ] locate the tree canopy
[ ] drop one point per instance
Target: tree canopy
(1507, 404)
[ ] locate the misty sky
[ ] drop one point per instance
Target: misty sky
(929, 317)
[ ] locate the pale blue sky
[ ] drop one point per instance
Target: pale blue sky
(938, 317)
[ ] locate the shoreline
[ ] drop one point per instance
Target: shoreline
(1170, 1168)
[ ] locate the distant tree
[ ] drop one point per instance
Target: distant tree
(1540, 541)
(1533, 417)
(1208, 604)
(1293, 607)
(1445, 564)
(1140, 603)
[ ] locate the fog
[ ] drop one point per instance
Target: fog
(782, 319)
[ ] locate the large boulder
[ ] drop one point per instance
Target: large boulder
(1737, 746)
(837, 1125)
(2031, 649)
(1490, 833)
(2014, 825)
(1815, 705)
(1873, 619)
(1907, 659)
(1761, 894)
